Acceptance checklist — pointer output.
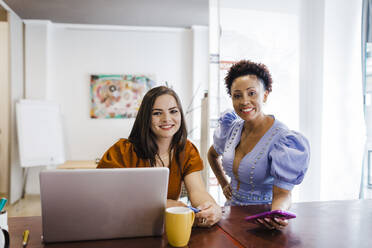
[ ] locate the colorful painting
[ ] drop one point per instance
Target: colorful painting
(117, 96)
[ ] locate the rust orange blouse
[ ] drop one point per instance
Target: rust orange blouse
(122, 155)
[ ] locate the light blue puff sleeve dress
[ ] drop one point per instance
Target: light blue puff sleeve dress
(280, 158)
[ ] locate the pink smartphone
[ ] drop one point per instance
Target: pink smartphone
(271, 214)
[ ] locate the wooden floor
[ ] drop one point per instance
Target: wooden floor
(29, 206)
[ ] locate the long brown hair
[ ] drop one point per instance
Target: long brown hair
(142, 137)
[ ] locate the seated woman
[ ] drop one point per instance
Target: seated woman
(159, 139)
(263, 158)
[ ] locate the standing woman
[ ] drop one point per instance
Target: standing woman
(159, 139)
(263, 158)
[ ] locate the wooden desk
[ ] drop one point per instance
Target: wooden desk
(318, 224)
(78, 164)
(200, 237)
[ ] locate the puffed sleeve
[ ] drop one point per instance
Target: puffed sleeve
(223, 130)
(289, 159)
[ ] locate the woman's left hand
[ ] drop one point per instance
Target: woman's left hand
(273, 223)
(210, 214)
(281, 201)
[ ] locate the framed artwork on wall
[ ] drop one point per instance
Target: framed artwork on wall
(117, 96)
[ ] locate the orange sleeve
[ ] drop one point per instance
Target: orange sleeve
(193, 160)
(190, 161)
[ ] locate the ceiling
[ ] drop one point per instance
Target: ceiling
(162, 13)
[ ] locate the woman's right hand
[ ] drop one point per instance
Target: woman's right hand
(227, 191)
(210, 214)
(215, 163)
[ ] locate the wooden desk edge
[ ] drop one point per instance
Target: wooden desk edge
(78, 164)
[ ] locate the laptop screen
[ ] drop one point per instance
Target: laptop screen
(92, 204)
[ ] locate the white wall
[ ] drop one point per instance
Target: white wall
(77, 53)
(36, 59)
(74, 52)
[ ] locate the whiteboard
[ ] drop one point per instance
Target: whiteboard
(40, 136)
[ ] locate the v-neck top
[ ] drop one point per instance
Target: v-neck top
(280, 158)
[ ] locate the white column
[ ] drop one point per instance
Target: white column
(311, 92)
(17, 92)
(200, 70)
(214, 51)
(343, 126)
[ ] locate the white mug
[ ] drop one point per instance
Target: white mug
(4, 235)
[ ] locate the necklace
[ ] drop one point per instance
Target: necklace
(164, 158)
(161, 160)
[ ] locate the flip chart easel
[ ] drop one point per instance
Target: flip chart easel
(40, 135)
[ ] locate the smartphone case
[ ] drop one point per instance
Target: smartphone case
(271, 214)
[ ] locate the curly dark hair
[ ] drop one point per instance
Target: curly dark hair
(247, 67)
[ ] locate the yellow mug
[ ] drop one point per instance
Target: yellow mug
(178, 224)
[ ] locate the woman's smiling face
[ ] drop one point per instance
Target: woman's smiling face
(248, 96)
(166, 117)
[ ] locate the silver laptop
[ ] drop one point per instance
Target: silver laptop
(92, 204)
